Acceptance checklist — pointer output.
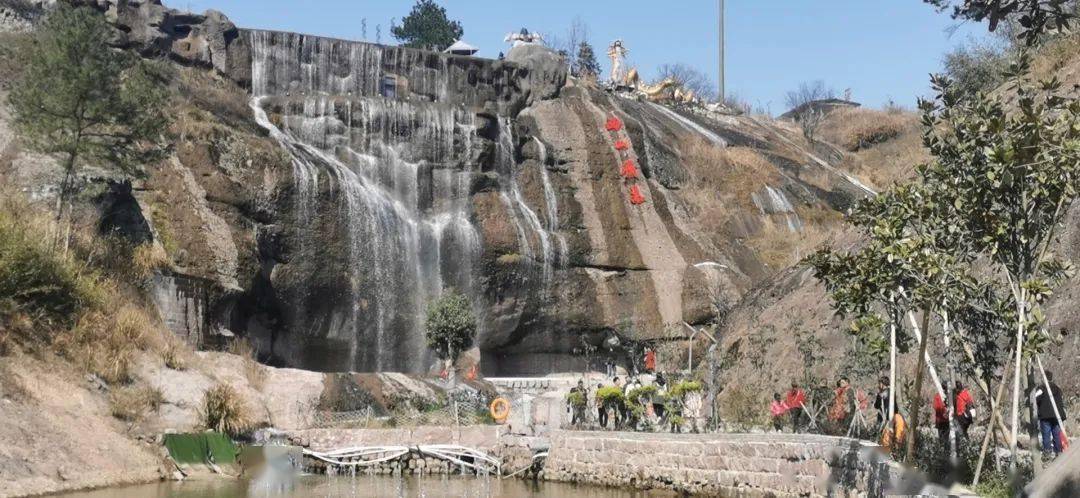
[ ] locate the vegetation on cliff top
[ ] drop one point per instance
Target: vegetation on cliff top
(86, 101)
(427, 26)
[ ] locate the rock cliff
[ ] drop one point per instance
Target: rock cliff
(360, 181)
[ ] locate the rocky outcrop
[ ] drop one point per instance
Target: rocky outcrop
(364, 180)
(207, 39)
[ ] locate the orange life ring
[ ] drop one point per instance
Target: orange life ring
(500, 409)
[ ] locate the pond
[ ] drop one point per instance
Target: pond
(373, 486)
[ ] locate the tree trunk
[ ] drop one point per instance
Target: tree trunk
(1020, 295)
(995, 402)
(916, 401)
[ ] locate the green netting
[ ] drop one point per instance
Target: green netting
(195, 448)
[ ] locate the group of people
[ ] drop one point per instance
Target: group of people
(792, 409)
(616, 415)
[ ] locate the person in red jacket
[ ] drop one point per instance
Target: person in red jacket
(965, 408)
(650, 360)
(795, 400)
(941, 416)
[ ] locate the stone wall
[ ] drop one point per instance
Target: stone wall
(749, 465)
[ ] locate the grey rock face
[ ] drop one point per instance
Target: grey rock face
(208, 39)
(547, 70)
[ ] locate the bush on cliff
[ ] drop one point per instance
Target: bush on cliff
(225, 411)
(450, 325)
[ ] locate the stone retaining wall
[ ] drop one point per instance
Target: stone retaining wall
(744, 465)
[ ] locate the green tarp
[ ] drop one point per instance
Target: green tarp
(199, 447)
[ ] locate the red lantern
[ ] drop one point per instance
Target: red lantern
(613, 124)
(622, 145)
(635, 195)
(629, 170)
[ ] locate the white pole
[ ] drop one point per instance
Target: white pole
(722, 94)
(892, 372)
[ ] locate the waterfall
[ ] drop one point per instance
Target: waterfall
(775, 202)
(520, 207)
(551, 202)
(338, 115)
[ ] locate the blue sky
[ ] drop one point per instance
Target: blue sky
(880, 49)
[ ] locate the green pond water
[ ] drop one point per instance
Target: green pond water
(317, 486)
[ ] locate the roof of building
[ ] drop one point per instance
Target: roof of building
(460, 47)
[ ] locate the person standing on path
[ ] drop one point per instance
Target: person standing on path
(965, 409)
(1048, 420)
(796, 402)
(777, 408)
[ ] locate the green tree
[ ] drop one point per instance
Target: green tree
(85, 101)
(1036, 17)
(910, 262)
(427, 26)
(450, 326)
(585, 65)
(1009, 170)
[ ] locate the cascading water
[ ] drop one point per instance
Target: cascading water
(552, 203)
(397, 171)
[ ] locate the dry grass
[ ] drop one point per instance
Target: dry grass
(133, 403)
(254, 372)
(225, 411)
(722, 180)
(108, 345)
(1055, 55)
(860, 128)
(778, 247)
(175, 353)
(746, 406)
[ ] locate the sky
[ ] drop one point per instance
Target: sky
(882, 50)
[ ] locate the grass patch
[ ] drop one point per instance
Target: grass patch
(225, 411)
(134, 403)
(859, 128)
(37, 282)
(253, 370)
(721, 182)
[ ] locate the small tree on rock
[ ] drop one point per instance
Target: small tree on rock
(82, 99)
(586, 66)
(427, 26)
(451, 327)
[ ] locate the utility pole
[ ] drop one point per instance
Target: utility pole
(722, 95)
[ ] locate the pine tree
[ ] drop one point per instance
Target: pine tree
(427, 26)
(86, 101)
(586, 62)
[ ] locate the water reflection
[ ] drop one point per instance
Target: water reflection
(369, 487)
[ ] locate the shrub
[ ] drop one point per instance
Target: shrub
(576, 400)
(38, 280)
(610, 396)
(224, 411)
(643, 394)
(857, 129)
(175, 353)
(132, 403)
(744, 405)
(681, 389)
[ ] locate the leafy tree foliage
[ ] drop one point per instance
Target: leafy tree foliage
(1005, 172)
(451, 326)
(585, 64)
(86, 101)
(976, 67)
(427, 26)
(1009, 172)
(1036, 17)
